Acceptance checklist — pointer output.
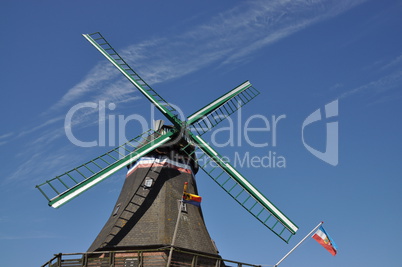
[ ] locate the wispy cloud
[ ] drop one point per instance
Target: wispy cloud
(28, 236)
(4, 138)
(230, 37)
(271, 21)
(390, 78)
(41, 126)
(393, 63)
(381, 85)
(99, 74)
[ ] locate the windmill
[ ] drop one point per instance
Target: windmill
(159, 161)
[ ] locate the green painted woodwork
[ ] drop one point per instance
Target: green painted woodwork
(217, 103)
(212, 114)
(240, 189)
(100, 43)
(85, 176)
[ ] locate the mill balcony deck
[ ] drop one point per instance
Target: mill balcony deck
(140, 258)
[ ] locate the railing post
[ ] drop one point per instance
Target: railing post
(140, 258)
(194, 261)
(111, 259)
(85, 260)
(59, 260)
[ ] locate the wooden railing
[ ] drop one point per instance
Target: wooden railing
(139, 258)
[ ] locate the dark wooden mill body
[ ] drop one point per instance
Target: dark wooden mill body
(146, 211)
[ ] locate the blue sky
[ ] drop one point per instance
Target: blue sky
(301, 56)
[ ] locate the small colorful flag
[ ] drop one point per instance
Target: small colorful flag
(325, 240)
(192, 199)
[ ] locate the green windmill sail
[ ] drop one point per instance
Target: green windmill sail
(63, 188)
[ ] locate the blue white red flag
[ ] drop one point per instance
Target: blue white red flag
(322, 237)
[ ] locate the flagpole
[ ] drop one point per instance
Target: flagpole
(298, 244)
(175, 233)
(177, 226)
